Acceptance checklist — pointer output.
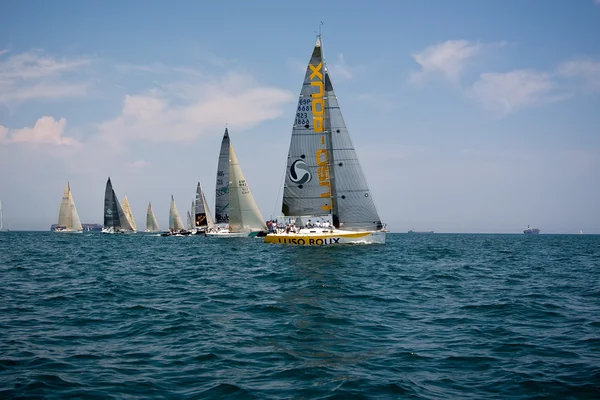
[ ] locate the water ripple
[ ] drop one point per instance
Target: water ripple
(425, 316)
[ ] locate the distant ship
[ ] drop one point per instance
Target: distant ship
(413, 231)
(531, 231)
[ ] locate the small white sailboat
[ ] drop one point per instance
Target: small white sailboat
(176, 226)
(2, 228)
(244, 216)
(68, 218)
(324, 179)
(128, 214)
(151, 222)
(115, 220)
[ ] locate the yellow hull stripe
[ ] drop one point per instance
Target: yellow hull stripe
(314, 239)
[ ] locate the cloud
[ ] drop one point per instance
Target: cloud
(514, 90)
(341, 70)
(184, 111)
(46, 130)
(585, 71)
(137, 166)
(448, 58)
(35, 75)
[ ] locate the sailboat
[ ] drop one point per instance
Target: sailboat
(151, 222)
(176, 226)
(2, 228)
(128, 214)
(190, 217)
(68, 219)
(326, 199)
(241, 210)
(203, 219)
(115, 220)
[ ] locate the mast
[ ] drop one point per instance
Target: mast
(1, 228)
(328, 133)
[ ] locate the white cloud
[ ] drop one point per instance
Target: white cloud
(448, 58)
(34, 75)
(185, 111)
(46, 130)
(137, 166)
(340, 69)
(511, 91)
(586, 71)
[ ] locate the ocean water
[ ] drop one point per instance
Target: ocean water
(424, 316)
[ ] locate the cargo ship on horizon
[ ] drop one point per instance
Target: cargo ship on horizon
(531, 231)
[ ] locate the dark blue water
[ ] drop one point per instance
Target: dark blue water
(425, 316)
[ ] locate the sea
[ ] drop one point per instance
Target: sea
(433, 316)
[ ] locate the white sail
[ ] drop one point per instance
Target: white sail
(190, 224)
(75, 221)
(128, 214)
(175, 222)
(68, 218)
(64, 213)
(210, 222)
(222, 184)
(151, 222)
(244, 215)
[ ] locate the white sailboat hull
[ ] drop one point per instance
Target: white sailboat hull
(67, 231)
(326, 237)
(227, 234)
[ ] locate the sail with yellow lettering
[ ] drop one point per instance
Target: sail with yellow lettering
(324, 182)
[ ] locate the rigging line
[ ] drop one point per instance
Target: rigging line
(281, 189)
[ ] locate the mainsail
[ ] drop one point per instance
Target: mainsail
(151, 222)
(128, 214)
(175, 222)
(244, 215)
(222, 187)
(68, 218)
(114, 217)
(324, 176)
(202, 215)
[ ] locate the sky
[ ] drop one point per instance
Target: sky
(470, 116)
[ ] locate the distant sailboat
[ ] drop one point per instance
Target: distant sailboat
(2, 228)
(203, 219)
(190, 223)
(324, 179)
(115, 220)
(68, 219)
(151, 222)
(244, 219)
(128, 214)
(176, 226)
